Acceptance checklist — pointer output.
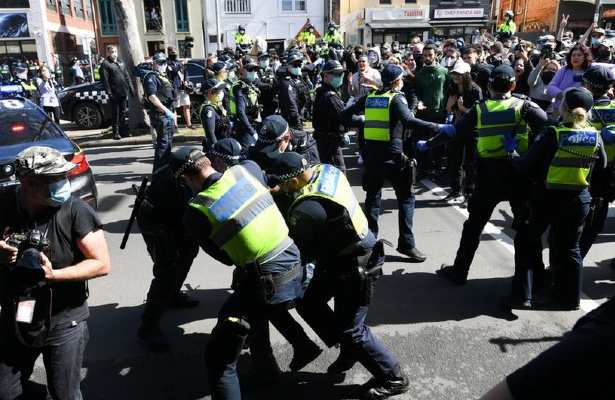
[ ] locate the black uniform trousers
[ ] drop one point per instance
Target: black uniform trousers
(330, 149)
(119, 111)
(172, 253)
(564, 212)
(490, 190)
(594, 225)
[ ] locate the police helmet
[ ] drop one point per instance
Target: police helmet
(241, 28)
(332, 66)
(159, 58)
(294, 57)
(509, 13)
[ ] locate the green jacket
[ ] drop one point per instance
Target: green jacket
(431, 87)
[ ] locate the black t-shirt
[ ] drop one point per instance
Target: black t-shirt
(470, 97)
(62, 226)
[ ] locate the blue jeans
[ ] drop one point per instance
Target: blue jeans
(248, 306)
(165, 129)
(400, 175)
(333, 280)
(62, 356)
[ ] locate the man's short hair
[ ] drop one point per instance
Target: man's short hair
(111, 47)
(469, 50)
(429, 47)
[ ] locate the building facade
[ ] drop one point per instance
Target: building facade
(378, 21)
(161, 23)
(21, 30)
(275, 21)
(458, 18)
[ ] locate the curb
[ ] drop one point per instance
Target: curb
(133, 140)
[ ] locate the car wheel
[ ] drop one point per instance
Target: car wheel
(87, 116)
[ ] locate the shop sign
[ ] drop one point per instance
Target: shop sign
(14, 25)
(399, 13)
(459, 13)
(609, 13)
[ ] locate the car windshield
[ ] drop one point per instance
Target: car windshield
(25, 126)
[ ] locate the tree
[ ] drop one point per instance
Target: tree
(131, 52)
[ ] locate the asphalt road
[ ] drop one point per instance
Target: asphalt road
(454, 342)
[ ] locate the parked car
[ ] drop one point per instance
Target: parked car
(24, 124)
(87, 105)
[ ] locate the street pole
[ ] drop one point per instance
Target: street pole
(205, 28)
(218, 25)
(597, 11)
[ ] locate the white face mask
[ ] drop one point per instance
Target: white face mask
(220, 96)
(264, 64)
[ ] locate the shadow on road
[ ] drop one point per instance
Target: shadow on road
(503, 342)
(405, 298)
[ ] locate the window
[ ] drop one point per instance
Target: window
(237, 6)
(181, 13)
(78, 8)
(411, 1)
(155, 47)
(65, 7)
(294, 5)
(52, 5)
(108, 25)
(14, 4)
(89, 9)
(385, 1)
(153, 16)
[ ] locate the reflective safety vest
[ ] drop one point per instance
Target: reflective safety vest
(242, 39)
(603, 116)
(496, 118)
(377, 116)
(28, 86)
(333, 37)
(245, 221)
(331, 184)
(307, 37)
(509, 27)
(97, 73)
(252, 96)
(570, 167)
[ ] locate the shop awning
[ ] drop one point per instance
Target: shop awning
(398, 24)
(468, 22)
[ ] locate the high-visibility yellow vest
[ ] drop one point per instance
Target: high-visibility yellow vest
(570, 167)
(28, 86)
(307, 37)
(334, 37)
(378, 116)
(603, 116)
(509, 27)
(331, 184)
(252, 96)
(97, 73)
(242, 39)
(495, 118)
(245, 221)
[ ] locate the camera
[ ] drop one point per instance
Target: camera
(546, 52)
(29, 245)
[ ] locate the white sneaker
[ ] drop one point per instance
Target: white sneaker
(458, 200)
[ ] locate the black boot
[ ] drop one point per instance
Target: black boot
(149, 333)
(184, 300)
(345, 360)
(377, 389)
(449, 272)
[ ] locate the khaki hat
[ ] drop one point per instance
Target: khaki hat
(44, 161)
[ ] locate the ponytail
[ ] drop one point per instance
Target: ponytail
(577, 116)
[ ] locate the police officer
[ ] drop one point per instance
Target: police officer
(307, 36)
(329, 227)
(234, 219)
(20, 77)
(501, 124)
(333, 35)
(159, 96)
(274, 137)
(243, 41)
(268, 85)
(328, 128)
(244, 107)
(293, 91)
(561, 159)
(507, 28)
(598, 79)
(221, 73)
(386, 119)
(214, 118)
(171, 249)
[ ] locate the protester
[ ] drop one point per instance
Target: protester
(47, 94)
(578, 60)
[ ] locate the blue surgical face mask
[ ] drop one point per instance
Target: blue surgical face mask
(596, 41)
(59, 192)
(296, 71)
(251, 76)
(337, 81)
(264, 64)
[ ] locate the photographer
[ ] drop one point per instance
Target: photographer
(64, 247)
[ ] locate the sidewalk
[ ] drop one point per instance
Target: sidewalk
(102, 137)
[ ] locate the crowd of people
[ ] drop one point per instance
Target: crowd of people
(498, 119)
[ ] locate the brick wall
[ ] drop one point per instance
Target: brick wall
(540, 14)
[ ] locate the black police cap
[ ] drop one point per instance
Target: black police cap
(285, 166)
(227, 149)
(274, 126)
(599, 76)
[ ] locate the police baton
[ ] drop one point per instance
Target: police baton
(135, 209)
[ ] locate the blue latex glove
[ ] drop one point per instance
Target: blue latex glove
(510, 143)
(169, 114)
(447, 129)
(422, 146)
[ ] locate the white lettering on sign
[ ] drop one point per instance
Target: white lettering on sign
(459, 13)
(399, 13)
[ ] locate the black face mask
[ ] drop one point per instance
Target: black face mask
(173, 57)
(547, 76)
